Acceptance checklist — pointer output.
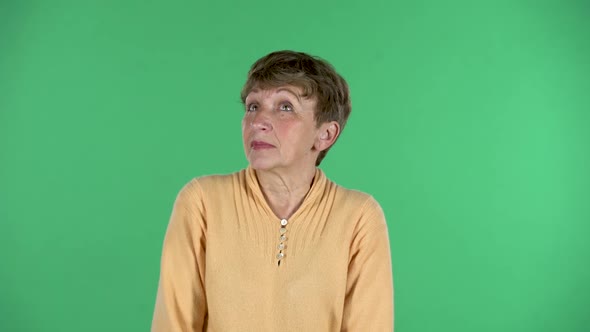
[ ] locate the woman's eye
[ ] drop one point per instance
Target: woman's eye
(286, 107)
(251, 108)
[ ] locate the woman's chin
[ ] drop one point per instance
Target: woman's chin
(261, 164)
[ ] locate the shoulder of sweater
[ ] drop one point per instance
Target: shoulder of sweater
(358, 198)
(371, 214)
(212, 182)
(193, 192)
(213, 179)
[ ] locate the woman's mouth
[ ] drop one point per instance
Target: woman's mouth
(260, 145)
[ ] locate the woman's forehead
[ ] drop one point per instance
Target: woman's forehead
(296, 91)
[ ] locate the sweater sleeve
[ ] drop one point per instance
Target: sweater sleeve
(368, 305)
(181, 302)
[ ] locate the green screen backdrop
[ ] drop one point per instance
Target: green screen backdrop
(470, 125)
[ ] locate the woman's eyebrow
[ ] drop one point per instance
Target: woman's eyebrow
(291, 92)
(283, 89)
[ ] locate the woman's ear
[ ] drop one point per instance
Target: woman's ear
(327, 135)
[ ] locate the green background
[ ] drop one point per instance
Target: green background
(470, 125)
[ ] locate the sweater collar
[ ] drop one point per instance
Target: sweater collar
(314, 194)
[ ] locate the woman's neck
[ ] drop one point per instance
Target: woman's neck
(285, 192)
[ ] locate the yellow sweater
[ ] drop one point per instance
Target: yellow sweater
(229, 265)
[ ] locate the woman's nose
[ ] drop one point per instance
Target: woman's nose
(262, 120)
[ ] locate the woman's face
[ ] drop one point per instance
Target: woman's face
(279, 129)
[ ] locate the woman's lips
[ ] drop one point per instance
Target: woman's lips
(259, 145)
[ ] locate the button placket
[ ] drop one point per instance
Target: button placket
(282, 240)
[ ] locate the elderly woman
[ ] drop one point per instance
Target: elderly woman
(278, 246)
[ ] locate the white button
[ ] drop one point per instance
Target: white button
(281, 246)
(283, 238)
(282, 230)
(280, 255)
(284, 222)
